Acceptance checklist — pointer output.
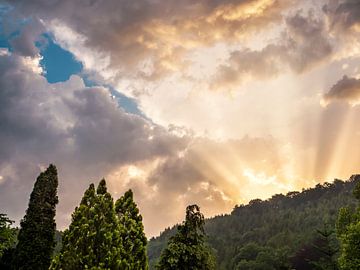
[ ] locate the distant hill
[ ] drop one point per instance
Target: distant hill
(278, 233)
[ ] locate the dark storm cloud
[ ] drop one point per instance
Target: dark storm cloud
(347, 89)
(304, 43)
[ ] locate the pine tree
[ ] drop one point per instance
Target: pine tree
(36, 236)
(187, 249)
(327, 247)
(348, 231)
(93, 240)
(133, 236)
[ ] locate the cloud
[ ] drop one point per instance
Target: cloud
(343, 15)
(303, 44)
(150, 39)
(210, 173)
(347, 89)
(84, 132)
(80, 129)
(24, 42)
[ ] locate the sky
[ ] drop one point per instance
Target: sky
(208, 102)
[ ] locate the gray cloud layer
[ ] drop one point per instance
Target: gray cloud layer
(85, 133)
(343, 14)
(150, 39)
(81, 130)
(347, 89)
(155, 33)
(304, 43)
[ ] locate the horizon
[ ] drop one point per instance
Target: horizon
(209, 102)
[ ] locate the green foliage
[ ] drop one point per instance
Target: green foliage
(7, 234)
(350, 247)
(36, 236)
(284, 224)
(93, 240)
(327, 246)
(344, 219)
(252, 256)
(356, 191)
(348, 231)
(187, 249)
(132, 235)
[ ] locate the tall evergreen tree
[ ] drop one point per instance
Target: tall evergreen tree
(133, 236)
(36, 236)
(187, 249)
(348, 231)
(93, 240)
(327, 247)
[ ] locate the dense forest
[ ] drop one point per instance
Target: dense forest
(281, 232)
(318, 228)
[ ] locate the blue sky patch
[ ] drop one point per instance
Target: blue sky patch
(128, 104)
(58, 63)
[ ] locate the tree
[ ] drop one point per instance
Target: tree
(133, 236)
(37, 229)
(327, 247)
(350, 248)
(7, 242)
(348, 231)
(7, 234)
(187, 249)
(255, 257)
(93, 240)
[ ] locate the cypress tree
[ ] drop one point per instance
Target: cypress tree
(93, 239)
(187, 249)
(133, 236)
(36, 236)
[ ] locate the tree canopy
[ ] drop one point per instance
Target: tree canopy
(187, 248)
(348, 230)
(133, 237)
(286, 226)
(7, 234)
(37, 229)
(93, 239)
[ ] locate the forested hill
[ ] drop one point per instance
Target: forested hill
(277, 233)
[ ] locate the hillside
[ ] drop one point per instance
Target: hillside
(273, 234)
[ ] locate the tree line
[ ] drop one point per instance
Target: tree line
(297, 230)
(318, 228)
(103, 234)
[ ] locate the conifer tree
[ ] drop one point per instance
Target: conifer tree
(36, 236)
(133, 236)
(348, 231)
(187, 249)
(93, 240)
